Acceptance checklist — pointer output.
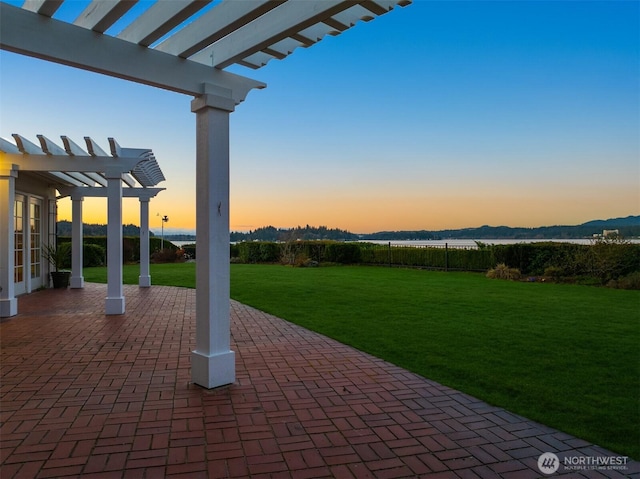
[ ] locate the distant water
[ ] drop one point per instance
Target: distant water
(458, 243)
(469, 243)
(180, 244)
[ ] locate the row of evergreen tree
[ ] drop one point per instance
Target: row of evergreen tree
(64, 229)
(303, 233)
(628, 227)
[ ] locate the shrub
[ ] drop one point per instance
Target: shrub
(611, 259)
(93, 255)
(258, 252)
(345, 253)
(269, 252)
(167, 255)
(502, 271)
(554, 272)
(190, 250)
(630, 281)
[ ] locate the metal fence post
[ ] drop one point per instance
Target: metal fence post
(446, 256)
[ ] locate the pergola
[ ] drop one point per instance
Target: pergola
(74, 172)
(184, 46)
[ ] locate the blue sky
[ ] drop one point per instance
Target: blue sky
(439, 115)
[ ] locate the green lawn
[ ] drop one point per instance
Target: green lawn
(564, 355)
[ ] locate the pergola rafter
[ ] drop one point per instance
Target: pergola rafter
(70, 164)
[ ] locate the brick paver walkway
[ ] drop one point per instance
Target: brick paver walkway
(89, 395)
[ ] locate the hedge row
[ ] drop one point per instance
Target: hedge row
(603, 260)
(299, 252)
(94, 250)
(428, 257)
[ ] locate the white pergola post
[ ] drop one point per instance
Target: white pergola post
(144, 280)
(77, 280)
(212, 362)
(115, 297)
(8, 301)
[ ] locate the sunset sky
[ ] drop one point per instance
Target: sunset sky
(443, 114)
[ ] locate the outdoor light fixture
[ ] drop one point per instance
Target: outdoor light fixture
(165, 218)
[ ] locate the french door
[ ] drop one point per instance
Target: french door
(27, 222)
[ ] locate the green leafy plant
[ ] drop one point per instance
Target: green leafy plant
(57, 255)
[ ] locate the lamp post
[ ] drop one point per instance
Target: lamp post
(165, 218)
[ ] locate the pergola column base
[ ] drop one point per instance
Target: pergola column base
(114, 305)
(213, 371)
(8, 307)
(77, 282)
(144, 281)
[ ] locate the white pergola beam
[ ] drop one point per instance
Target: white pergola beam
(43, 7)
(270, 28)
(128, 179)
(93, 148)
(101, 14)
(27, 147)
(49, 147)
(45, 163)
(159, 20)
(81, 177)
(97, 177)
(65, 178)
(34, 35)
(72, 148)
(99, 192)
(215, 24)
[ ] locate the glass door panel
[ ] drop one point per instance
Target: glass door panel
(18, 257)
(35, 224)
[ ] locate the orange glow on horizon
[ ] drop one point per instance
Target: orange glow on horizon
(369, 213)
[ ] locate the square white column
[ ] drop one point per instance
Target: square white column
(8, 301)
(115, 303)
(212, 362)
(77, 279)
(144, 280)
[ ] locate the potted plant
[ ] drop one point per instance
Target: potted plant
(57, 256)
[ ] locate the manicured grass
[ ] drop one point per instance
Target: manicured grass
(566, 356)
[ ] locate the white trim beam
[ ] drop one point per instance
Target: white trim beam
(65, 178)
(225, 18)
(42, 162)
(160, 19)
(34, 35)
(270, 28)
(101, 14)
(43, 7)
(98, 192)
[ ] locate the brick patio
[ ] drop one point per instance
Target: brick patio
(89, 395)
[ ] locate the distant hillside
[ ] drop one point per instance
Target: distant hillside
(628, 221)
(628, 227)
